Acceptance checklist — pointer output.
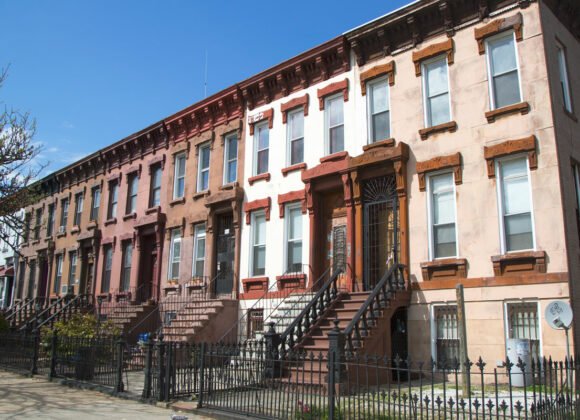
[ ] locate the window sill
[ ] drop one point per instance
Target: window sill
(570, 115)
(334, 156)
(294, 168)
(291, 281)
(152, 210)
(201, 194)
(519, 262)
(390, 142)
(229, 186)
(75, 229)
(25, 244)
(522, 107)
(92, 225)
(255, 284)
(35, 242)
(112, 221)
(450, 126)
(177, 201)
(61, 234)
(262, 177)
(444, 268)
(48, 238)
(129, 216)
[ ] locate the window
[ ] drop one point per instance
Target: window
(516, 205)
(132, 188)
(126, 266)
(203, 168)
(436, 91)
(378, 110)
(113, 197)
(72, 272)
(258, 244)
(294, 238)
(175, 254)
(261, 148)
(50, 221)
(256, 322)
(179, 176)
(31, 278)
(445, 333)
(64, 214)
(37, 223)
(96, 203)
(231, 159)
(334, 120)
(295, 133)
(504, 83)
(441, 207)
(26, 233)
(107, 268)
(58, 274)
(78, 209)
(155, 190)
(564, 82)
(199, 251)
(523, 323)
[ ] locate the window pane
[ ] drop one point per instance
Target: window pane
(519, 232)
(181, 166)
(262, 162)
(232, 147)
(337, 139)
(259, 260)
(199, 267)
(335, 111)
(295, 256)
(295, 223)
(380, 98)
(200, 249)
(443, 208)
(516, 196)
(437, 77)
(444, 239)
(439, 112)
(381, 126)
(297, 151)
(232, 171)
(503, 55)
(260, 229)
(156, 197)
(297, 124)
(204, 180)
(263, 137)
(506, 89)
(205, 157)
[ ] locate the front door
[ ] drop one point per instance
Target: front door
(225, 245)
(148, 269)
(43, 277)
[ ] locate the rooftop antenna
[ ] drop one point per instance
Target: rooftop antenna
(205, 77)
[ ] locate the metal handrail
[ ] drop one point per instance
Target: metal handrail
(25, 311)
(312, 312)
(81, 301)
(377, 300)
(48, 311)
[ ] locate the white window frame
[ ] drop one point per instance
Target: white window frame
(227, 139)
(564, 78)
(73, 262)
(108, 248)
(201, 170)
(79, 202)
(433, 326)
(499, 192)
(289, 207)
(132, 177)
(430, 213)
(426, 108)
(152, 188)
(177, 177)
(506, 322)
(64, 208)
(370, 85)
(257, 128)
(58, 273)
(289, 139)
(256, 214)
(489, 70)
(327, 126)
(175, 238)
(113, 204)
(197, 235)
(95, 198)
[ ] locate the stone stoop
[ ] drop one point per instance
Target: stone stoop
(286, 313)
(202, 321)
(128, 316)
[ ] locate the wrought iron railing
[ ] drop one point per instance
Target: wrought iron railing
(369, 312)
(313, 311)
(25, 311)
(76, 305)
(46, 313)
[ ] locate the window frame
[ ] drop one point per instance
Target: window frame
(112, 205)
(72, 263)
(506, 321)
(153, 188)
(424, 84)
(50, 219)
(433, 327)
(227, 161)
(58, 273)
(95, 198)
(179, 178)
(196, 238)
(289, 208)
(37, 222)
(501, 207)
(562, 59)
(370, 85)
(79, 204)
(255, 215)
(200, 170)
(257, 127)
(289, 139)
(64, 208)
(327, 127)
(490, 76)
(125, 245)
(174, 239)
(431, 236)
(107, 270)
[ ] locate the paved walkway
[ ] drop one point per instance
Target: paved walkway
(37, 398)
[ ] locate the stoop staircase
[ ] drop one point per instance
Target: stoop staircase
(126, 315)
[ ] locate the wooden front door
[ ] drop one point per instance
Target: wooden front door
(148, 269)
(225, 255)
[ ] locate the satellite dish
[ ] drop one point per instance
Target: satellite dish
(559, 315)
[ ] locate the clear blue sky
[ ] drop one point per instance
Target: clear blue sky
(93, 72)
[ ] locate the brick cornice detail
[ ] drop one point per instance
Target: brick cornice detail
(294, 103)
(527, 144)
(331, 89)
(263, 204)
(432, 51)
(290, 197)
(376, 71)
(438, 163)
(259, 117)
(514, 22)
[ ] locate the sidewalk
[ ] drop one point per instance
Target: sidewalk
(37, 398)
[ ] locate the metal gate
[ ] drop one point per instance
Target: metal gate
(225, 254)
(380, 227)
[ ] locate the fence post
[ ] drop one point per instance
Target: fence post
(161, 371)
(35, 350)
(148, 363)
(272, 343)
(119, 387)
(168, 368)
(201, 375)
(53, 355)
(336, 345)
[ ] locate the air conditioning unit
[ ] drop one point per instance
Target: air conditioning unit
(65, 289)
(61, 229)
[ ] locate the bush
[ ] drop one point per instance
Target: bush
(4, 325)
(82, 326)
